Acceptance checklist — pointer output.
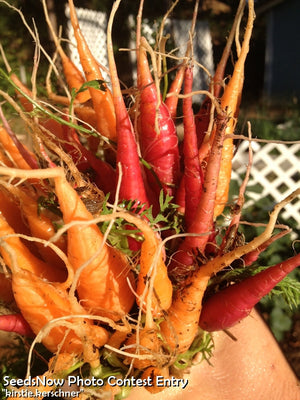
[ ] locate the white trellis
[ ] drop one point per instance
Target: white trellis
(275, 172)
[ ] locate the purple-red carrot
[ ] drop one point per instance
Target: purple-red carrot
(229, 306)
(203, 223)
(15, 323)
(157, 132)
(132, 185)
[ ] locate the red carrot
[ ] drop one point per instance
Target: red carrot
(132, 184)
(15, 323)
(229, 306)
(157, 133)
(192, 170)
(105, 175)
(203, 222)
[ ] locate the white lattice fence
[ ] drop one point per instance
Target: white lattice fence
(275, 172)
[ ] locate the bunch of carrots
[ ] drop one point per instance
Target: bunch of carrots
(109, 239)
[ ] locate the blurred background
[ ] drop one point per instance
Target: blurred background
(270, 98)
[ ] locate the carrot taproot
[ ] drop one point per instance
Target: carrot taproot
(202, 118)
(102, 288)
(52, 317)
(146, 346)
(192, 170)
(73, 75)
(181, 325)
(171, 100)
(41, 302)
(232, 304)
(102, 99)
(12, 213)
(203, 223)
(41, 225)
(15, 323)
(152, 266)
(132, 183)
(17, 151)
(230, 102)
(157, 132)
(12, 248)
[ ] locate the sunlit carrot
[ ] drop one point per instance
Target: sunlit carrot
(12, 148)
(157, 133)
(41, 302)
(203, 223)
(230, 102)
(41, 225)
(171, 101)
(13, 249)
(103, 286)
(12, 213)
(73, 75)
(132, 184)
(229, 306)
(202, 118)
(102, 99)
(192, 169)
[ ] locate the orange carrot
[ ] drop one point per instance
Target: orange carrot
(12, 213)
(102, 288)
(202, 118)
(230, 102)
(41, 226)
(13, 250)
(41, 302)
(12, 150)
(102, 100)
(73, 76)
(171, 100)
